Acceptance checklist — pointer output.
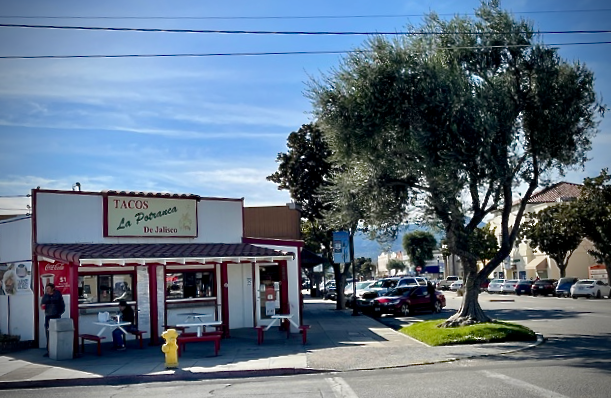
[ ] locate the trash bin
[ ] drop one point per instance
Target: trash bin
(61, 339)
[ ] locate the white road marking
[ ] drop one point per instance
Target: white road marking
(522, 384)
(340, 388)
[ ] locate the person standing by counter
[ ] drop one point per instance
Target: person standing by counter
(53, 304)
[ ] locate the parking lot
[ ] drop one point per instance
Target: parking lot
(553, 317)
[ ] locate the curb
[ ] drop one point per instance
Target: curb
(140, 379)
(540, 340)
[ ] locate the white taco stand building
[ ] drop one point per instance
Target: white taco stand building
(166, 254)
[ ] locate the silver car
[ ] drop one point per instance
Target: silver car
(509, 286)
(495, 286)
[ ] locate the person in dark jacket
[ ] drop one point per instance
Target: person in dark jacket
(53, 304)
(430, 287)
(127, 315)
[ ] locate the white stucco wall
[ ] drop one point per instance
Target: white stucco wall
(15, 246)
(79, 218)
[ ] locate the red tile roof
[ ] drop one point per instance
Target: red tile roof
(556, 192)
(152, 194)
(73, 253)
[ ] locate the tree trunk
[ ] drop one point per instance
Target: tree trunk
(470, 311)
(340, 282)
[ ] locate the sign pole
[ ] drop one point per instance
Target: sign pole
(355, 311)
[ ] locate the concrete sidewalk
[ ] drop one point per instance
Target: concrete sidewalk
(337, 341)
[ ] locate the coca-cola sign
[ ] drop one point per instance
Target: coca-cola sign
(57, 273)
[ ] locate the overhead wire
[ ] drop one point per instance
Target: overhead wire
(263, 53)
(306, 33)
(245, 17)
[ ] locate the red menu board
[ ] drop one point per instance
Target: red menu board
(56, 273)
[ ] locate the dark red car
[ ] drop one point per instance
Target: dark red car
(407, 300)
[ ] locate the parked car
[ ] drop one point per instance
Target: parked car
(524, 286)
(590, 288)
(381, 286)
(483, 287)
(365, 302)
(361, 287)
(411, 280)
(445, 283)
(495, 286)
(563, 288)
(544, 287)
(509, 286)
(407, 300)
(330, 292)
(456, 285)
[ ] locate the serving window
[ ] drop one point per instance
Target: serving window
(105, 288)
(190, 284)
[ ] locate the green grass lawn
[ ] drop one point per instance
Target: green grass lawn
(429, 333)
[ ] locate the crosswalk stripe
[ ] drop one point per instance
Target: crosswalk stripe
(543, 392)
(340, 388)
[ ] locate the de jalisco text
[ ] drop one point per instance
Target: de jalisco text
(142, 216)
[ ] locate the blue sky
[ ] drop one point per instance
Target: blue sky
(210, 126)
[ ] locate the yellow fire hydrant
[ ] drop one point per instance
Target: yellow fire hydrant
(170, 348)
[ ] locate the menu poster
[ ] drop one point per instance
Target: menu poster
(56, 273)
(16, 278)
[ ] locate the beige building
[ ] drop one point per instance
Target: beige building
(526, 263)
(384, 259)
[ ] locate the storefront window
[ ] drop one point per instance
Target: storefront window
(105, 288)
(182, 285)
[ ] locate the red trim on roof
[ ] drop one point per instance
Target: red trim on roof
(74, 252)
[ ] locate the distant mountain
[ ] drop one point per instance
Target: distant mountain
(363, 247)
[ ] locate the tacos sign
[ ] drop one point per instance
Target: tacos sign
(150, 217)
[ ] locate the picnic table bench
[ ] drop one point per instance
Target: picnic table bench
(185, 338)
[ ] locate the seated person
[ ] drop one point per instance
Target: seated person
(127, 315)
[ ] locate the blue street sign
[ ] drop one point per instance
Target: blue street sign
(341, 247)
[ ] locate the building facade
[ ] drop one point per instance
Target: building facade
(526, 263)
(166, 254)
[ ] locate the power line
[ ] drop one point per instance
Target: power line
(263, 53)
(266, 32)
(373, 16)
(15, 196)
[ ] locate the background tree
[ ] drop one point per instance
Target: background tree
(365, 268)
(554, 231)
(395, 265)
(484, 244)
(594, 207)
(419, 245)
(306, 170)
(462, 117)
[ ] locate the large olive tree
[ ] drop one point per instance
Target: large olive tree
(459, 117)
